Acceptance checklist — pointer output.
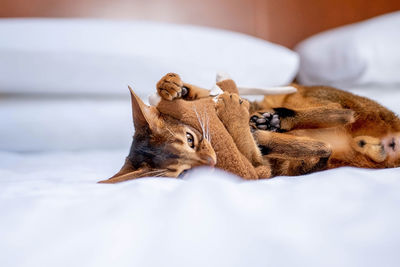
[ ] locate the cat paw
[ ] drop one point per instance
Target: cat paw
(371, 147)
(269, 121)
(231, 108)
(171, 87)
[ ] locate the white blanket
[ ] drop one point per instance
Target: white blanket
(53, 213)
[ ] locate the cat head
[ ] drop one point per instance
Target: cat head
(162, 145)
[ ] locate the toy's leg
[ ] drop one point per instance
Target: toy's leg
(284, 119)
(264, 171)
(285, 146)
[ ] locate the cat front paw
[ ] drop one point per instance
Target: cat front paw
(171, 87)
(231, 109)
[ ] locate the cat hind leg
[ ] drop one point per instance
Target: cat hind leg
(286, 146)
(283, 119)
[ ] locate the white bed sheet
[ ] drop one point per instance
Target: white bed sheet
(54, 214)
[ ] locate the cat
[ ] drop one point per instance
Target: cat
(285, 135)
(162, 145)
(371, 140)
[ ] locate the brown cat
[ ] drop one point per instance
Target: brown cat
(311, 130)
(371, 140)
(162, 145)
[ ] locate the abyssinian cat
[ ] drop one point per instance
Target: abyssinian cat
(314, 129)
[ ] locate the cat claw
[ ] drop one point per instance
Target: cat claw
(266, 121)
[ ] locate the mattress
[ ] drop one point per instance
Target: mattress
(53, 213)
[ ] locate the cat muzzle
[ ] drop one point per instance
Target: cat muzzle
(211, 161)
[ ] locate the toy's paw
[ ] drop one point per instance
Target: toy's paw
(171, 87)
(269, 121)
(231, 108)
(371, 147)
(264, 172)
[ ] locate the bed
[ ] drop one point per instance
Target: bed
(56, 143)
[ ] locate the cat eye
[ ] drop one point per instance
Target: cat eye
(190, 140)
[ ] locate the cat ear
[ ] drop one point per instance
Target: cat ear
(126, 173)
(142, 114)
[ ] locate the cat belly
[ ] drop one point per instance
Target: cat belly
(337, 138)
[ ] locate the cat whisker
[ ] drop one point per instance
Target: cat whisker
(200, 122)
(154, 173)
(150, 174)
(208, 129)
(204, 123)
(206, 126)
(160, 174)
(169, 130)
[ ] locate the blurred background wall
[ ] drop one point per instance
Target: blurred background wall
(284, 22)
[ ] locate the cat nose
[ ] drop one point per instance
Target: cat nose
(211, 161)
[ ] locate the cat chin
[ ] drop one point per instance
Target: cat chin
(154, 99)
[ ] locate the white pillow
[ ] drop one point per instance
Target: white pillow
(363, 53)
(96, 56)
